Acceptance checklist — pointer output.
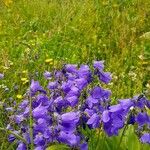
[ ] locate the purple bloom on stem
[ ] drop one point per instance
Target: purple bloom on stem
(41, 125)
(89, 112)
(66, 86)
(81, 83)
(73, 100)
(35, 87)
(12, 137)
(26, 136)
(117, 121)
(39, 140)
(148, 103)
(73, 92)
(40, 112)
(60, 103)
(58, 75)
(52, 85)
(91, 101)
(21, 146)
(96, 92)
(145, 138)
(105, 77)
(84, 72)
(69, 138)
(131, 119)
(10, 109)
(70, 117)
(69, 121)
(126, 103)
(142, 118)
(115, 108)
(100, 93)
(39, 148)
(47, 75)
(94, 121)
(19, 118)
(1, 76)
(26, 112)
(84, 146)
(71, 68)
(105, 116)
(42, 99)
(141, 102)
(48, 134)
(98, 65)
(24, 104)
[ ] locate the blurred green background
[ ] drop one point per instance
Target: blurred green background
(41, 35)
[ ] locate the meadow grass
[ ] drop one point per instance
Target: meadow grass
(70, 31)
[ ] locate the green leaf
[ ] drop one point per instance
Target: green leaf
(58, 146)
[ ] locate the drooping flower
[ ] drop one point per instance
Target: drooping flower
(94, 121)
(1, 76)
(52, 85)
(73, 101)
(145, 138)
(142, 118)
(69, 121)
(105, 116)
(69, 138)
(39, 140)
(47, 75)
(35, 87)
(84, 146)
(71, 68)
(105, 77)
(21, 146)
(40, 112)
(98, 65)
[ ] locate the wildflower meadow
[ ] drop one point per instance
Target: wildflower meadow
(75, 75)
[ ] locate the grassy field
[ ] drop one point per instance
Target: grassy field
(74, 31)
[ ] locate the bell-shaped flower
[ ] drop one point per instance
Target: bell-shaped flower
(94, 121)
(35, 87)
(21, 146)
(142, 118)
(98, 65)
(145, 138)
(68, 138)
(40, 112)
(73, 101)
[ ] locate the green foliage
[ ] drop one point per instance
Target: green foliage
(58, 146)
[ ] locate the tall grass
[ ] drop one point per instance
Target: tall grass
(70, 31)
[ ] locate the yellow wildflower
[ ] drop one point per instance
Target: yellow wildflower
(24, 79)
(49, 60)
(25, 71)
(19, 96)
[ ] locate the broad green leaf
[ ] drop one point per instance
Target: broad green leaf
(58, 147)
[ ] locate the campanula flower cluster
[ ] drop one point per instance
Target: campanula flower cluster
(74, 99)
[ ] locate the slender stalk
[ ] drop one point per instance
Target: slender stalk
(123, 133)
(31, 125)
(99, 131)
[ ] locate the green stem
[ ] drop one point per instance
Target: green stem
(31, 125)
(97, 146)
(123, 133)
